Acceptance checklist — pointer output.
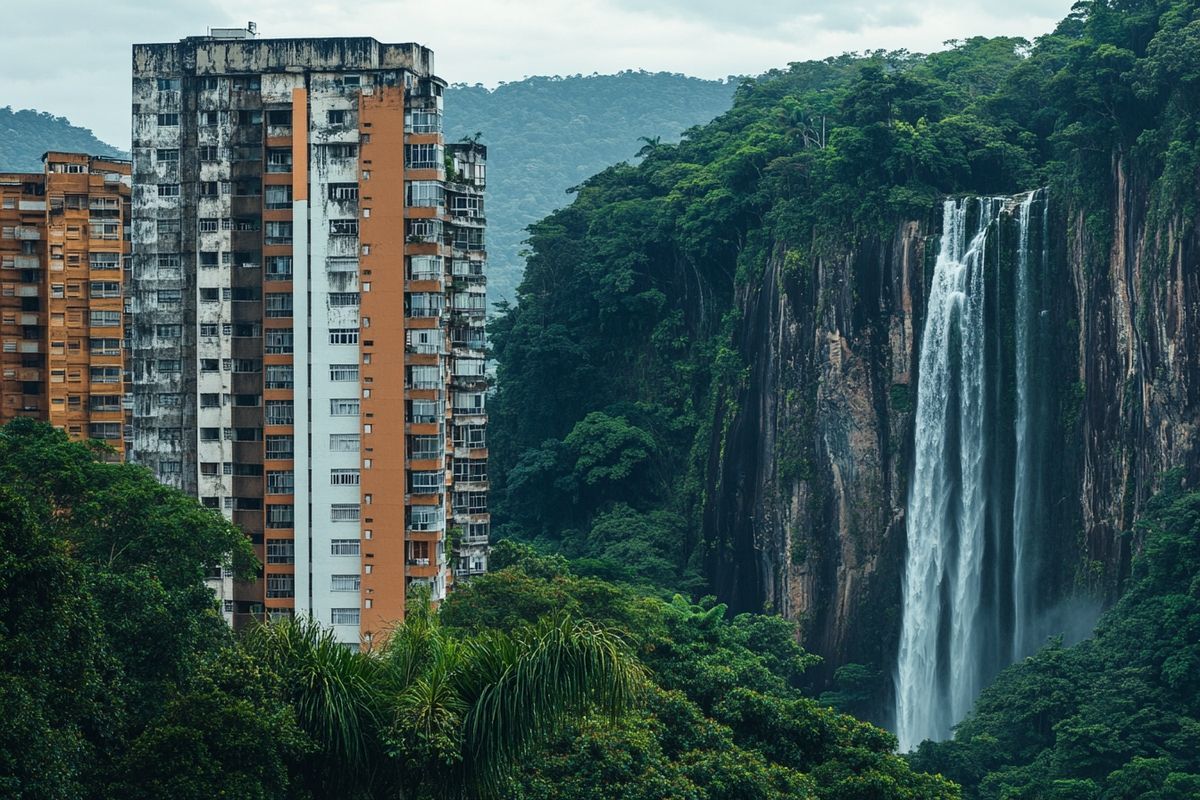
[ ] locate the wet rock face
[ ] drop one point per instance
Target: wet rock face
(809, 460)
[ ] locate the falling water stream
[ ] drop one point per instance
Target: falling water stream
(967, 590)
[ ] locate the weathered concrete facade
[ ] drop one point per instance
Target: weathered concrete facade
(298, 222)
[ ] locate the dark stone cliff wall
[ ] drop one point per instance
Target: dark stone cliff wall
(806, 485)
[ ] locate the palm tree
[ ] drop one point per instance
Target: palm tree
(432, 714)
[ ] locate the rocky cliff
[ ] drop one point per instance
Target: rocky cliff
(810, 456)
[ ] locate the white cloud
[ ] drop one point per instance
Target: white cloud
(79, 66)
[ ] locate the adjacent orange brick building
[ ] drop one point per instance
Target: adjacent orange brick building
(63, 250)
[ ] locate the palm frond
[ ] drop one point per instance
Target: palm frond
(522, 687)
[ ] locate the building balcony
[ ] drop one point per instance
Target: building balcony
(27, 233)
(421, 568)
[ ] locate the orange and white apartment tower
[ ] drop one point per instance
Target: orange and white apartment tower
(63, 248)
(308, 291)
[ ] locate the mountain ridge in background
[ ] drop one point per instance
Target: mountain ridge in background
(26, 134)
(546, 135)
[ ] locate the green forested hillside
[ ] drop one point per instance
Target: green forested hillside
(118, 677)
(547, 134)
(609, 365)
(26, 134)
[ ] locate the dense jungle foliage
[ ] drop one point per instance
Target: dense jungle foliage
(607, 364)
(118, 678)
(547, 134)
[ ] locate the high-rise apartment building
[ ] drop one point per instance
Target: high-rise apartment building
(63, 244)
(308, 291)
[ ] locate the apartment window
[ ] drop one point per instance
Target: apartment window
(343, 191)
(343, 372)
(279, 268)
(210, 294)
(281, 551)
(166, 155)
(471, 436)
(342, 150)
(336, 117)
(105, 347)
(280, 447)
(280, 412)
(169, 400)
(279, 160)
(168, 120)
(343, 335)
(343, 299)
(423, 156)
(209, 119)
(344, 512)
(279, 233)
(104, 374)
(168, 366)
(425, 482)
(424, 412)
(209, 188)
(423, 304)
(424, 340)
(425, 377)
(208, 225)
(104, 430)
(208, 258)
(104, 289)
(281, 516)
(281, 481)
(208, 330)
(210, 365)
(470, 502)
(424, 268)
(344, 407)
(104, 260)
(169, 297)
(278, 305)
(278, 197)
(109, 402)
(210, 434)
(343, 442)
(425, 194)
(250, 116)
(281, 586)
(207, 152)
(167, 84)
(278, 341)
(424, 518)
(210, 400)
(279, 376)
(423, 122)
(468, 402)
(426, 447)
(343, 477)
(167, 260)
(343, 616)
(470, 470)
(343, 583)
(343, 547)
(343, 227)
(105, 319)
(168, 190)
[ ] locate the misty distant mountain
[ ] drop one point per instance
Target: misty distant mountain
(26, 134)
(545, 135)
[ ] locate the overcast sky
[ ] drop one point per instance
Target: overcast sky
(71, 57)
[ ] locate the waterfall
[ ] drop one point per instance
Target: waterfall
(968, 583)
